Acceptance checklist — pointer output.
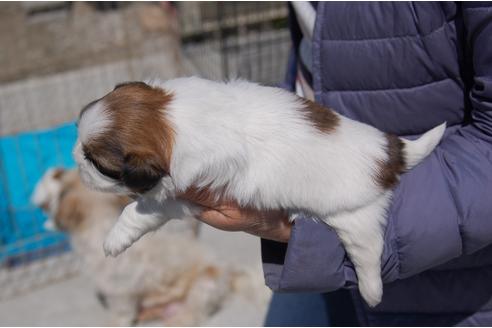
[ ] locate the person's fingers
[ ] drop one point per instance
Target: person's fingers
(228, 216)
(220, 220)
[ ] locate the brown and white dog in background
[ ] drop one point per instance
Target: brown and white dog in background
(169, 276)
(257, 146)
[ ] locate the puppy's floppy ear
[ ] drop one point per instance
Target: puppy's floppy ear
(70, 212)
(141, 172)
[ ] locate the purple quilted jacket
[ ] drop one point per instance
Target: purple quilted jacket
(404, 68)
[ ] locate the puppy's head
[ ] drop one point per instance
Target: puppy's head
(125, 142)
(54, 193)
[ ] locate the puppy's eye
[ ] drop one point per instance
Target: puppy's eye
(115, 175)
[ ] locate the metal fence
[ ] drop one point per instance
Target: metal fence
(226, 40)
(119, 42)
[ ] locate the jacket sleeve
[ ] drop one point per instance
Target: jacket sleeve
(441, 210)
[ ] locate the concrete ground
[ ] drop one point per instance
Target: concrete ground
(71, 302)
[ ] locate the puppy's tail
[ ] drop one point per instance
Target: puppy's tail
(417, 150)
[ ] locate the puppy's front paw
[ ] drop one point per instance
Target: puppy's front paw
(116, 242)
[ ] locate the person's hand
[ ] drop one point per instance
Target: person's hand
(228, 216)
(273, 225)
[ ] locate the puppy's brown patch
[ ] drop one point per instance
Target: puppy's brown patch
(212, 271)
(322, 118)
(390, 170)
(71, 210)
(137, 147)
(70, 213)
(58, 173)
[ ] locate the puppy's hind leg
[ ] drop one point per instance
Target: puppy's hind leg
(361, 232)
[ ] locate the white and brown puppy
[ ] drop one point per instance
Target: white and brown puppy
(167, 276)
(258, 146)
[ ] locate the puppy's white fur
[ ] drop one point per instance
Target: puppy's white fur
(97, 121)
(254, 144)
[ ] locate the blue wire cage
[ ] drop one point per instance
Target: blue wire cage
(24, 158)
